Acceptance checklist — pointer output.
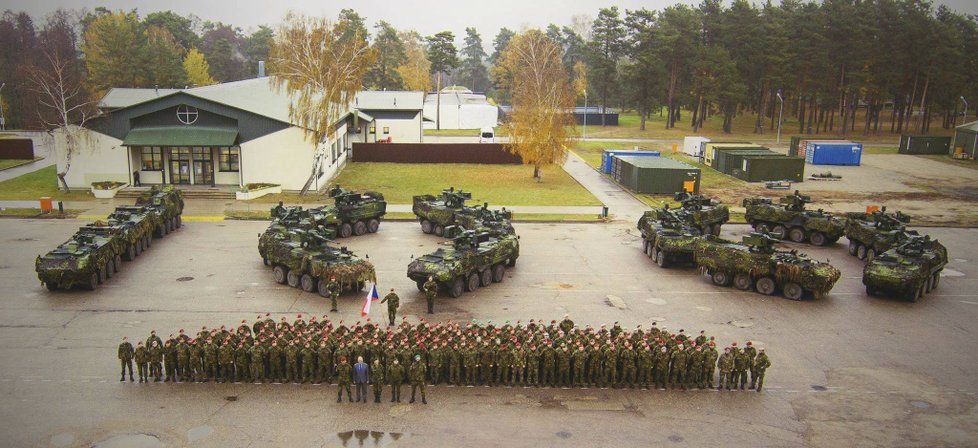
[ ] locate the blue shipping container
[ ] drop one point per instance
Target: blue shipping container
(608, 154)
(833, 153)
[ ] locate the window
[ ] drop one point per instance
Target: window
(229, 159)
(152, 158)
(387, 130)
(335, 151)
(187, 114)
(373, 129)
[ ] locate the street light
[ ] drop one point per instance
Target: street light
(3, 121)
(585, 113)
(964, 117)
(780, 116)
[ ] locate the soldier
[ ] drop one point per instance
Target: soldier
(153, 337)
(454, 366)
(741, 364)
(760, 366)
(678, 373)
(470, 356)
(125, 357)
(377, 379)
(334, 292)
(291, 363)
(395, 377)
(257, 362)
(609, 362)
(725, 364)
(417, 374)
(710, 364)
(661, 372)
(169, 361)
(563, 367)
(751, 354)
(241, 362)
(549, 358)
(155, 361)
(141, 356)
(533, 366)
(392, 303)
(307, 356)
(183, 360)
(504, 363)
(594, 365)
(567, 324)
(344, 374)
(579, 360)
(627, 357)
(436, 359)
(225, 357)
(644, 361)
(518, 360)
(325, 360)
(211, 366)
(430, 291)
(275, 362)
(697, 359)
(197, 359)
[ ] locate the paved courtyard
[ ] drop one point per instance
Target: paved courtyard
(848, 369)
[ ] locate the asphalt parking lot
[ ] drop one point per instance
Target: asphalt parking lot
(848, 369)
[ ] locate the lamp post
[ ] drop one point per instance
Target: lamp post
(585, 113)
(780, 116)
(3, 121)
(964, 118)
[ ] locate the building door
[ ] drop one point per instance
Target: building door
(203, 166)
(180, 166)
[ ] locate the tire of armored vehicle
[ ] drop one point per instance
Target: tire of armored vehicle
(908, 271)
(303, 260)
(667, 241)
(475, 260)
(814, 226)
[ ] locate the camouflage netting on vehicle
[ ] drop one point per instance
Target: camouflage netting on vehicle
(470, 252)
(832, 227)
(908, 269)
(75, 261)
(309, 253)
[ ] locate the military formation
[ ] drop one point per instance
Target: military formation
(536, 354)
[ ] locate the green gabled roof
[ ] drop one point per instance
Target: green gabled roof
(181, 136)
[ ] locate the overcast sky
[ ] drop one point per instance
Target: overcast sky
(425, 16)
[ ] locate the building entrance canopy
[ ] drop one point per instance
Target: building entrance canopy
(181, 136)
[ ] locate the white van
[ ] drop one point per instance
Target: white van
(486, 135)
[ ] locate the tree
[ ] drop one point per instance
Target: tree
(162, 59)
(415, 72)
(604, 52)
(390, 55)
(531, 67)
(643, 70)
(180, 27)
(499, 43)
(256, 47)
(675, 34)
(196, 69)
(474, 72)
(112, 46)
(321, 70)
(221, 45)
(443, 57)
(355, 25)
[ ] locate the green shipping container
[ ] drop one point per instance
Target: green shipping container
(762, 168)
(723, 156)
(712, 148)
(794, 148)
(924, 144)
(659, 176)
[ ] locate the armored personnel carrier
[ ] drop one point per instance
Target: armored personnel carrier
(136, 224)
(704, 213)
(305, 259)
(88, 259)
(790, 219)
(436, 213)
(168, 203)
(475, 259)
(352, 214)
(908, 271)
(666, 237)
(756, 263)
(874, 233)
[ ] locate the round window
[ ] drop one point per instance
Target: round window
(187, 114)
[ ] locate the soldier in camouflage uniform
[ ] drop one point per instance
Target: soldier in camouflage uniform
(751, 353)
(395, 376)
(324, 359)
(241, 362)
(275, 362)
(470, 356)
(761, 365)
(678, 373)
(505, 362)
(169, 361)
(741, 364)
(725, 364)
(225, 357)
(627, 357)
(141, 356)
(430, 291)
(549, 358)
(125, 358)
(594, 365)
(563, 367)
(533, 367)
(454, 366)
(579, 361)
(344, 374)
(393, 301)
(291, 363)
(211, 365)
(183, 360)
(307, 357)
(156, 361)
(417, 374)
(644, 362)
(609, 364)
(697, 359)
(334, 292)
(710, 363)
(257, 355)
(377, 379)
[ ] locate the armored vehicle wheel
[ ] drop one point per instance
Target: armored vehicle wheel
(928, 284)
(765, 285)
(498, 273)
(456, 287)
(485, 278)
(52, 286)
(721, 278)
(660, 259)
(706, 229)
(321, 288)
(645, 246)
(280, 273)
(796, 234)
(716, 229)
(472, 283)
(148, 242)
(817, 238)
(109, 269)
(118, 263)
(761, 227)
(649, 250)
(870, 255)
(511, 262)
(853, 247)
(176, 224)
(293, 278)
(92, 282)
(264, 261)
(420, 285)
(793, 291)
(308, 283)
(742, 282)
(360, 285)
(179, 221)
(359, 228)
(169, 225)
(779, 231)
(138, 246)
(102, 274)
(426, 226)
(439, 230)
(937, 280)
(131, 251)
(345, 230)
(653, 252)
(861, 252)
(373, 225)
(871, 291)
(917, 294)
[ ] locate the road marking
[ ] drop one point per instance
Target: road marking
(969, 303)
(203, 218)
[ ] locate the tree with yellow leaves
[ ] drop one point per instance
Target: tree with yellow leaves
(321, 65)
(197, 69)
(416, 72)
(540, 123)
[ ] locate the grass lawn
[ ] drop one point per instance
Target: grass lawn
(43, 182)
(36, 213)
(496, 184)
(474, 133)
(10, 163)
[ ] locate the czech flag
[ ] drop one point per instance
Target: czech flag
(371, 296)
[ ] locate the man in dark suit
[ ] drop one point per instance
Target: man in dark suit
(360, 378)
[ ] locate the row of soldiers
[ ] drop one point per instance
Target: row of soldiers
(534, 354)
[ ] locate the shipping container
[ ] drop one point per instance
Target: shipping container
(711, 149)
(693, 145)
(721, 156)
(608, 154)
(710, 144)
(797, 146)
(924, 144)
(833, 152)
(655, 175)
(966, 140)
(763, 168)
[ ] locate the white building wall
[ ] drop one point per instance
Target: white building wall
(401, 130)
(464, 116)
(286, 157)
(99, 157)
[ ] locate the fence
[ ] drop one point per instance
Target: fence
(16, 148)
(485, 153)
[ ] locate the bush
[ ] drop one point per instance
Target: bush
(107, 185)
(258, 186)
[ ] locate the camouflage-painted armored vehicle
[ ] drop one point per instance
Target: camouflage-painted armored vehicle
(89, 258)
(448, 208)
(908, 271)
(790, 219)
(137, 224)
(475, 259)
(666, 237)
(352, 214)
(874, 233)
(304, 259)
(704, 213)
(168, 203)
(756, 263)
